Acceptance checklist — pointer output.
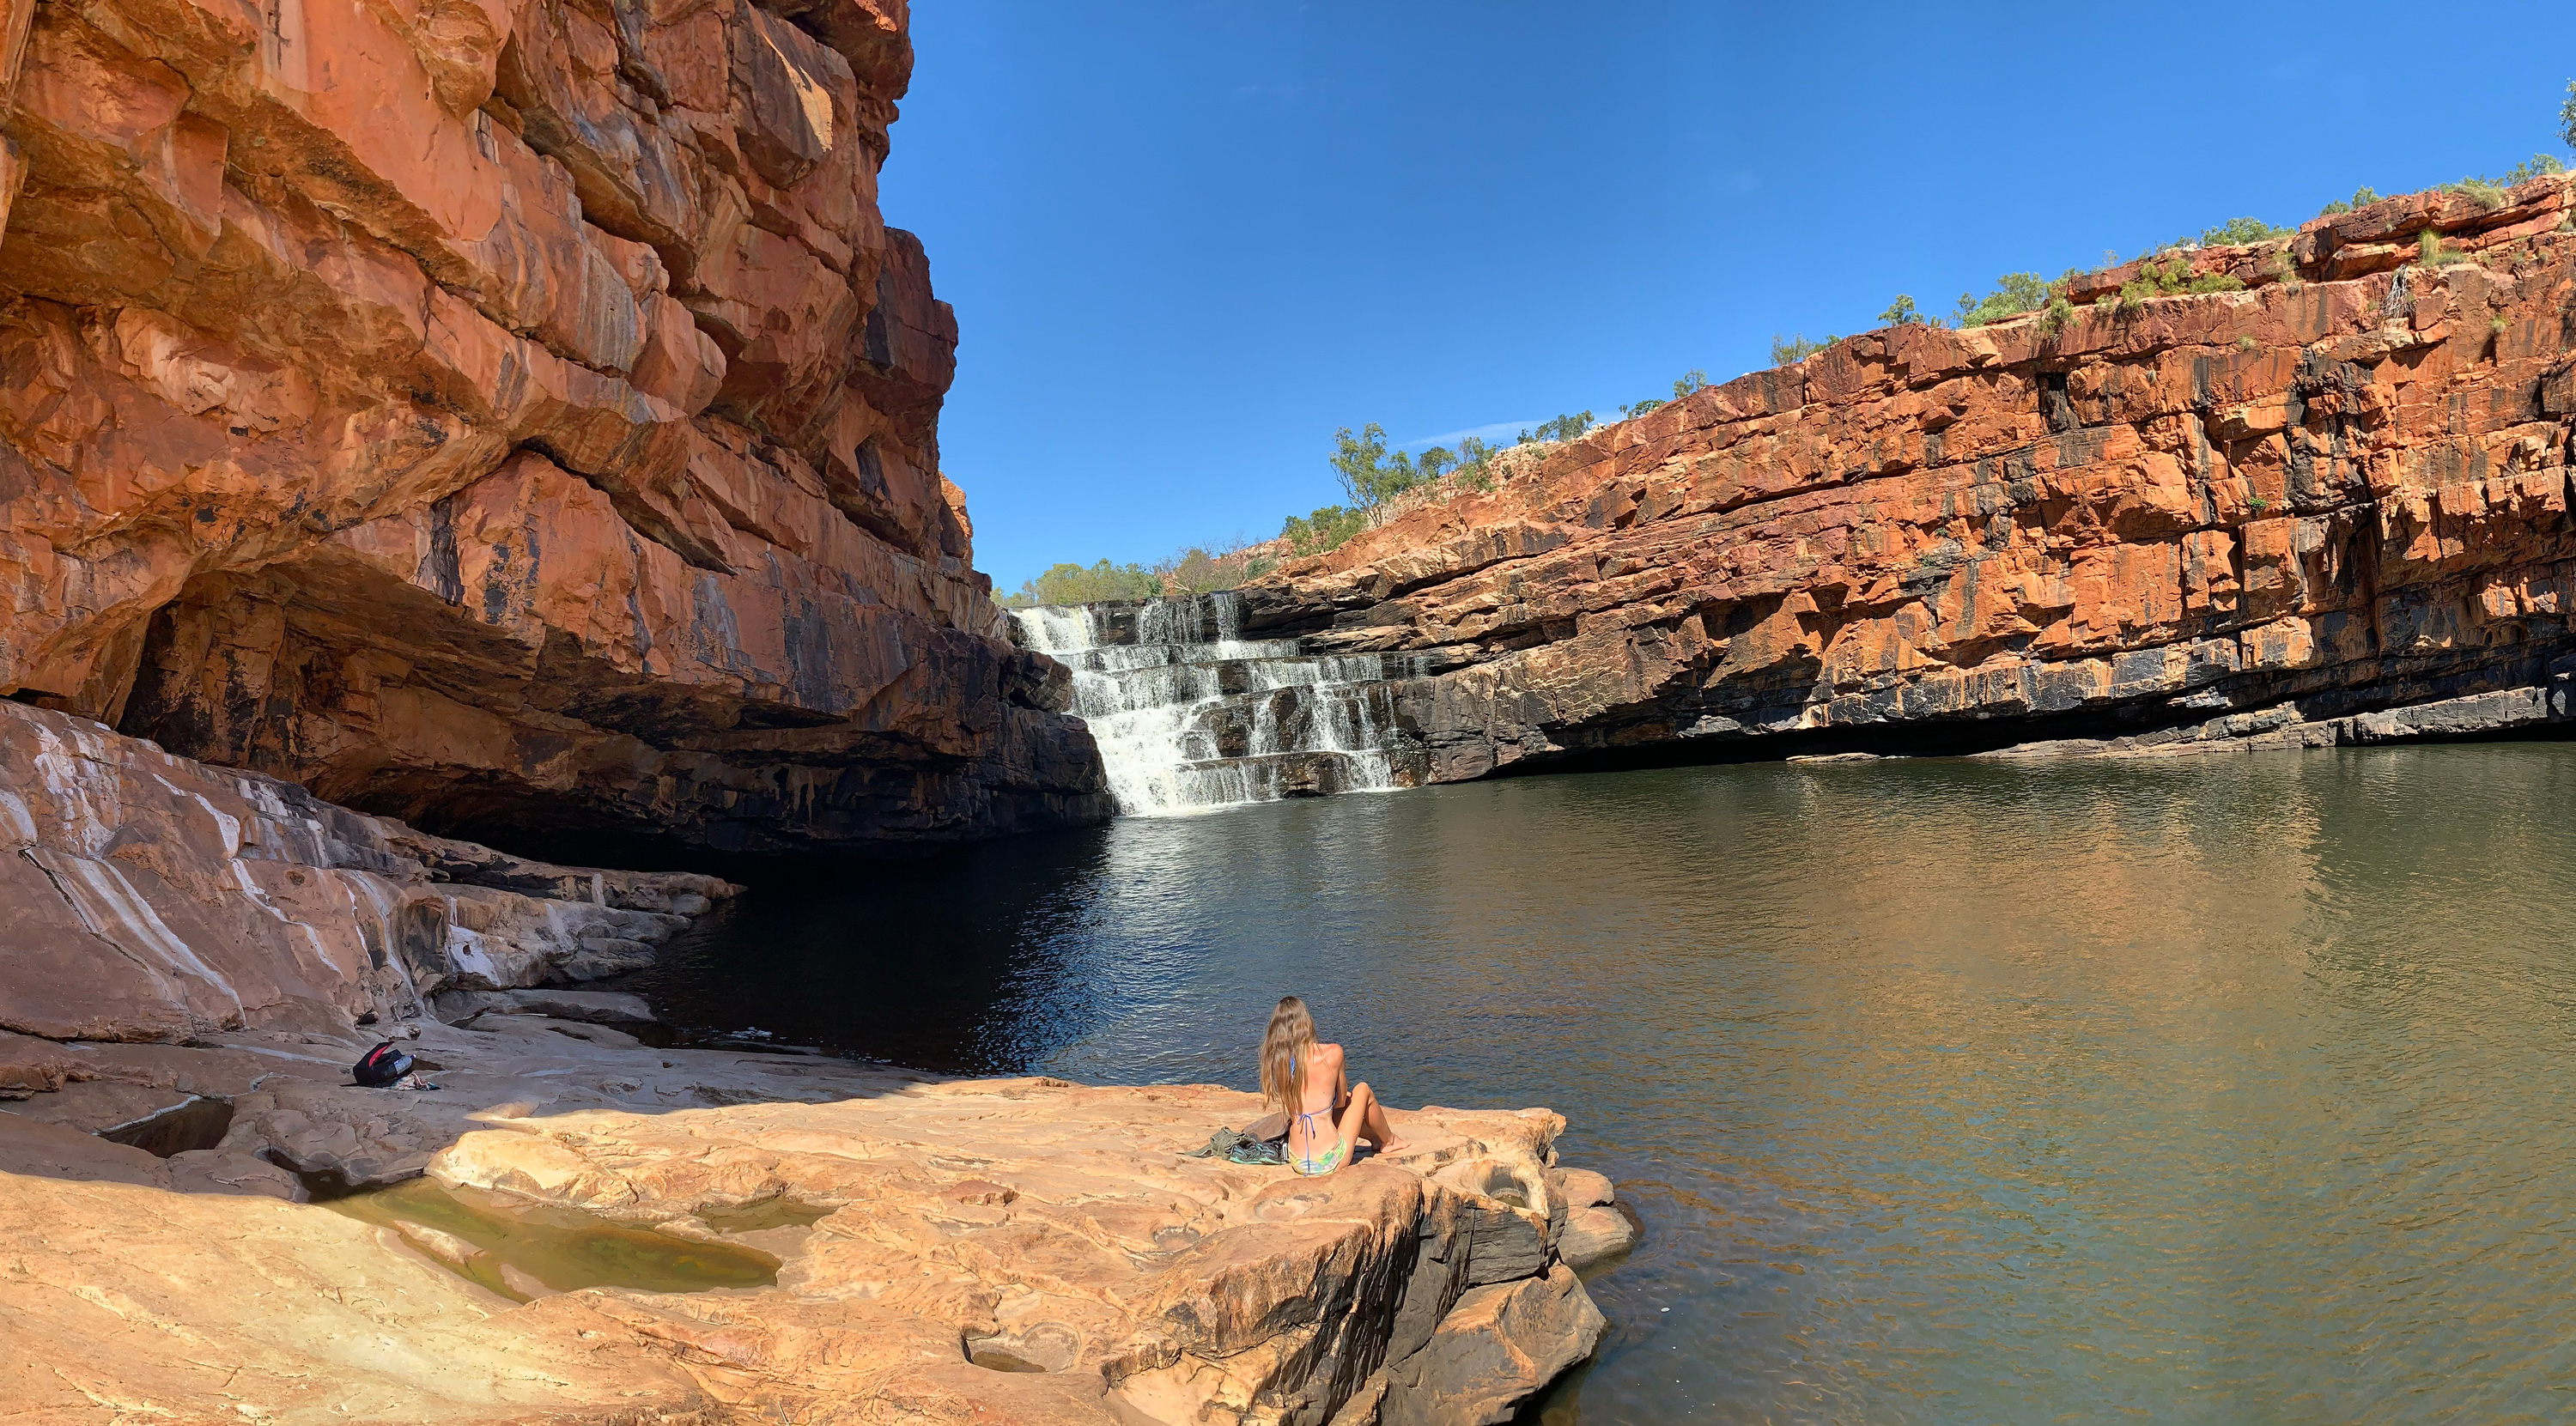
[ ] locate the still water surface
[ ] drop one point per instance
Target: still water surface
(2222, 1091)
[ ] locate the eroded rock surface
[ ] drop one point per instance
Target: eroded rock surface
(2341, 490)
(1024, 1250)
(145, 897)
(510, 416)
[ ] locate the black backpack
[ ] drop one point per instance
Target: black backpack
(381, 1066)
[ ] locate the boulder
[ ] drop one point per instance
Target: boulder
(1594, 1235)
(1494, 1350)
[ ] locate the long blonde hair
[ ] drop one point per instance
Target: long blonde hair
(1286, 1050)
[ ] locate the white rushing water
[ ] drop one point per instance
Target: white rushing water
(1189, 714)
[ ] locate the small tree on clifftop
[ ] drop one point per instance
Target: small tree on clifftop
(1359, 463)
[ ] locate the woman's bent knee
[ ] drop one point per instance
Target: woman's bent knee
(1362, 1091)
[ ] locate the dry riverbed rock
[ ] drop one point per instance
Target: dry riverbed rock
(1024, 1250)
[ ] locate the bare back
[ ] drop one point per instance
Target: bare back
(1310, 1124)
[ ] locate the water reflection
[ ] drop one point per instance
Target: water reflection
(2226, 1092)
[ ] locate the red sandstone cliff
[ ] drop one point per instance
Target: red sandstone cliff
(2344, 488)
(503, 414)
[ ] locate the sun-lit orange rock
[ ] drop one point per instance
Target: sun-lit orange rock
(2343, 487)
(503, 415)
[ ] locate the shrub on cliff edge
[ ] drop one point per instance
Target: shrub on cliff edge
(1328, 528)
(2014, 294)
(1796, 348)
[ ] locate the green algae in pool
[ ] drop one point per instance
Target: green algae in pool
(766, 1214)
(503, 1244)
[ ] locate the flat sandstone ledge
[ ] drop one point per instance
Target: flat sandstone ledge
(1030, 1221)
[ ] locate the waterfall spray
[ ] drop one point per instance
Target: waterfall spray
(1189, 714)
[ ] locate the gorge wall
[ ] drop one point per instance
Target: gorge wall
(508, 415)
(2343, 488)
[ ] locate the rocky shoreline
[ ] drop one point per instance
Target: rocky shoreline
(196, 955)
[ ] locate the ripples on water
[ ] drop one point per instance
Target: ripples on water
(2223, 1091)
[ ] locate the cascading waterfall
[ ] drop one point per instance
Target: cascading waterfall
(1190, 714)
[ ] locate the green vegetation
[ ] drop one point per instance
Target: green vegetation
(1075, 584)
(1195, 570)
(2490, 192)
(1326, 529)
(2014, 294)
(2170, 277)
(1901, 313)
(2567, 117)
(1796, 348)
(2234, 233)
(2429, 251)
(1367, 476)
(1475, 464)
(1683, 386)
(1200, 571)
(1371, 476)
(2477, 188)
(1563, 428)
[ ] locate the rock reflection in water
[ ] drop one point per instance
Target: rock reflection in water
(2234, 1090)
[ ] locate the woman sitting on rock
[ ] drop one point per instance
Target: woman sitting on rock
(1327, 1115)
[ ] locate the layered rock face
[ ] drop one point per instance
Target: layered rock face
(2340, 490)
(147, 898)
(508, 415)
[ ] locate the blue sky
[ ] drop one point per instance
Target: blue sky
(1186, 241)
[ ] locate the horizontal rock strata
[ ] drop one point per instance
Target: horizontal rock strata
(2545, 710)
(2343, 488)
(512, 417)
